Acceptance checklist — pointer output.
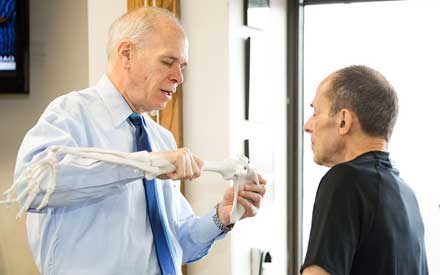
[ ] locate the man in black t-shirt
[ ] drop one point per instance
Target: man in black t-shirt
(366, 220)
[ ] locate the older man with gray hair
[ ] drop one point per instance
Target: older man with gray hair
(104, 218)
(366, 219)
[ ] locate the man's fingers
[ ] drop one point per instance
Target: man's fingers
(249, 208)
(261, 179)
(253, 197)
(180, 164)
(260, 189)
(167, 176)
(189, 166)
(253, 193)
(200, 163)
(195, 167)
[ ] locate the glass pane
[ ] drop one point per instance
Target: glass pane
(400, 39)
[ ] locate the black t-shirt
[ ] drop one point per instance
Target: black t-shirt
(366, 221)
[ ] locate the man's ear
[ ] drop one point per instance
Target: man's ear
(125, 52)
(345, 121)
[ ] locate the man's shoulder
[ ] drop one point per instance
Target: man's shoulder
(348, 175)
(358, 167)
(342, 172)
(74, 101)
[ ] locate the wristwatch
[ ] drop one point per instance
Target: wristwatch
(218, 222)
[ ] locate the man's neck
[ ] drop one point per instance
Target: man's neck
(364, 145)
(118, 81)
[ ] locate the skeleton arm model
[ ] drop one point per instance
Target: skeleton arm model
(237, 170)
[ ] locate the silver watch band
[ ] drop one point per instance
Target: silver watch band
(219, 224)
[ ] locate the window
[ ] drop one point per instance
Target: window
(400, 39)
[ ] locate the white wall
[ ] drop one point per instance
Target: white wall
(214, 125)
(58, 63)
(100, 15)
(206, 113)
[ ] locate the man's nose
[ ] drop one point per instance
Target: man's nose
(308, 126)
(177, 75)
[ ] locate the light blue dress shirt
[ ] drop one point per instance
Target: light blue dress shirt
(95, 223)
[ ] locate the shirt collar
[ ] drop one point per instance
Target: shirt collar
(383, 155)
(115, 103)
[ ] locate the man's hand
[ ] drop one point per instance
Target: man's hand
(3, 19)
(188, 166)
(249, 196)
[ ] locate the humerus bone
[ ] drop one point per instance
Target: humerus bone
(237, 170)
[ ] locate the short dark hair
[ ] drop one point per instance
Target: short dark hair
(369, 95)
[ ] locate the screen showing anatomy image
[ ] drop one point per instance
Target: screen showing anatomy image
(7, 35)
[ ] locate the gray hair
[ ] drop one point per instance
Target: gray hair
(369, 95)
(135, 26)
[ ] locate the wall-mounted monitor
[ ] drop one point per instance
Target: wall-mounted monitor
(14, 46)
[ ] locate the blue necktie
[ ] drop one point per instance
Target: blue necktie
(163, 246)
